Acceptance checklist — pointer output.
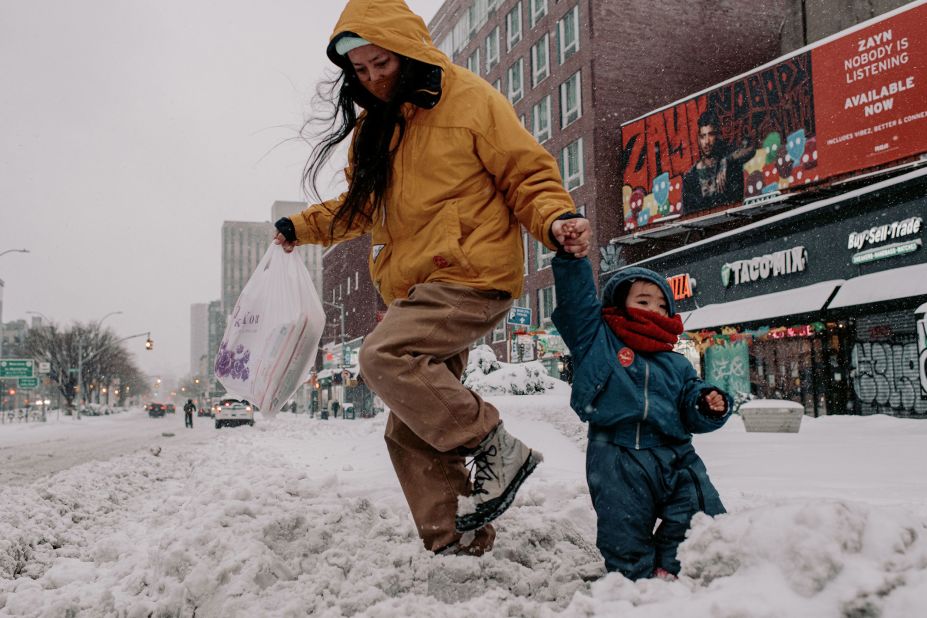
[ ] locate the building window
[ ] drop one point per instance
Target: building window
(461, 32)
(473, 62)
(513, 27)
(479, 11)
(498, 332)
(540, 61)
(540, 120)
(547, 302)
(571, 164)
(571, 100)
(447, 45)
(523, 120)
(492, 49)
(538, 10)
(348, 285)
(544, 255)
(516, 81)
(497, 85)
(568, 34)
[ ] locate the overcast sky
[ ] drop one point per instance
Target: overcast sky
(129, 131)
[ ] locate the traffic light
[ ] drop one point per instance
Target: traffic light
(149, 343)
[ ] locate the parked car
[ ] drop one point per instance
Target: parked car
(234, 412)
(156, 410)
(204, 410)
(170, 408)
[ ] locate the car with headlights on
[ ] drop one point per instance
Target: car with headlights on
(231, 412)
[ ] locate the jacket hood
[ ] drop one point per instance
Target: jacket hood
(615, 291)
(392, 25)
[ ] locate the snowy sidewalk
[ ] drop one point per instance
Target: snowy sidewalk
(302, 517)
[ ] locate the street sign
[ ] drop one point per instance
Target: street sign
(44, 367)
(16, 368)
(27, 384)
(520, 316)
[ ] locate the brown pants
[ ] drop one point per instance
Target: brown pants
(413, 360)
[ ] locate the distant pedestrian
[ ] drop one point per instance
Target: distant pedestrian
(188, 409)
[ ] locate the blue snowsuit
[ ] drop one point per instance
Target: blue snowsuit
(642, 409)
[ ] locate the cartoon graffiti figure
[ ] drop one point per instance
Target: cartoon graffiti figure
(660, 192)
(754, 183)
(770, 178)
(771, 145)
(675, 194)
(810, 159)
(795, 146)
(784, 165)
(636, 205)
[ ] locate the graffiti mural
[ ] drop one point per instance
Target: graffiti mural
(922, 349)
(886, 378)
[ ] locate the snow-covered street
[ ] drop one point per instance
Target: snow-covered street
(303, 517)
(31, 450)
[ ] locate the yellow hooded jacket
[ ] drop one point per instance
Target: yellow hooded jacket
(466, 174)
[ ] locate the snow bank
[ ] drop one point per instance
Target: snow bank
(301, 517)
(488, 376)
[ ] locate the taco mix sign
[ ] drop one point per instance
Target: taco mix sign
(786, 262)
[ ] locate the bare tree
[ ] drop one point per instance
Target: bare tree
(101, 357)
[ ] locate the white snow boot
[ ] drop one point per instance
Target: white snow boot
(500, 465)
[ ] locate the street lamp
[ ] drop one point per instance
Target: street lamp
(40, 314)
(2, 253)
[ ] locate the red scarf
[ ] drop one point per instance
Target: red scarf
(644, 331)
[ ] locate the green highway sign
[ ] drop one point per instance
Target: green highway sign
(16, 368)
(28, 383)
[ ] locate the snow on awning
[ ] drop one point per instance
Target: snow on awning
(789, 302)
(886, 285)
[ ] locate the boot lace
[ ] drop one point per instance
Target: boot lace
(481, 469)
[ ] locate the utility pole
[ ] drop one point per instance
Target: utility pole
(340, 308)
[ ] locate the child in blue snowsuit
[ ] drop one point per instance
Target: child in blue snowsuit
(643, 402)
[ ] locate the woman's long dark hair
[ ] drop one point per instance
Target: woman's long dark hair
(372, 162)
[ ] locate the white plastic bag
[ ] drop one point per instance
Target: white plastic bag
(273, 333)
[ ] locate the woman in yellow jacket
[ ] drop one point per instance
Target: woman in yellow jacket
(441, 175)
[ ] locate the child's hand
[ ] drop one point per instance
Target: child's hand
(573, 234)
(716, 402)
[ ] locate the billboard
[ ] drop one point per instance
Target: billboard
(855, 101)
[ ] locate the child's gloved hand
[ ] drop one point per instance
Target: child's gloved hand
(712, 403)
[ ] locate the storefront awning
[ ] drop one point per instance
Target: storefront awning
(789, 302)
(882, 286)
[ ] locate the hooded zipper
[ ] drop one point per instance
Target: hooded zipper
(637, 438)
